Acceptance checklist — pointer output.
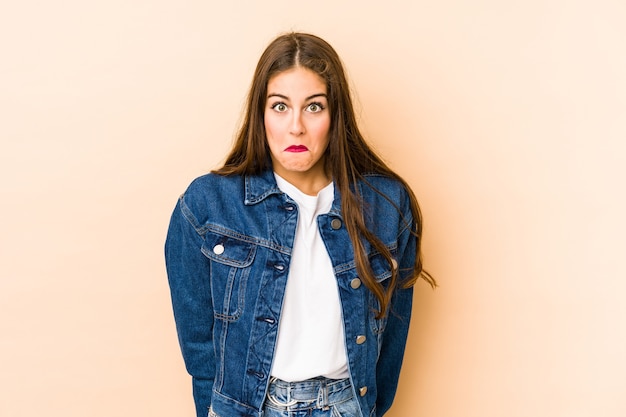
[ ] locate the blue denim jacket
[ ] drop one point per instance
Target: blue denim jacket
(227, 253)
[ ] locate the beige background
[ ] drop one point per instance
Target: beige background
(507, 117)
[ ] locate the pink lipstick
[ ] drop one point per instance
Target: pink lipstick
(297, 148)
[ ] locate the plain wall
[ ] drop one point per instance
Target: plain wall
(508, 119)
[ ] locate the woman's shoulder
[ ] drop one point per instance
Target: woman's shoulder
(391, 187)
(210, 189)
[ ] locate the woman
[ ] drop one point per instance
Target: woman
(291, 267)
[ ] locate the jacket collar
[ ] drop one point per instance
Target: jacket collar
(261, 186)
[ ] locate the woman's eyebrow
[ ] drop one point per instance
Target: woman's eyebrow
(277, 95)
(284, 97)
(317, 95)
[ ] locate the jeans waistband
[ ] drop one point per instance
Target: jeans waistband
(313, 393)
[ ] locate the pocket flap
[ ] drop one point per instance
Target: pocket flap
(228, 250)
(380, 267)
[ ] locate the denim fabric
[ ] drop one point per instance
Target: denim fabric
(227, 254)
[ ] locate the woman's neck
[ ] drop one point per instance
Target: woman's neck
(305, 182)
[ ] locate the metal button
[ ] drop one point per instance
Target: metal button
(362, 391)
(394, 264)
(279, 267)
(335, 224)
(218, 249)
(360, 339)
(355, 283)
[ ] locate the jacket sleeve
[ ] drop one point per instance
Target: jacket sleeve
(188, 272)
(397, 328)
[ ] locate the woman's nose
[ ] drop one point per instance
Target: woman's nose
(297, 127)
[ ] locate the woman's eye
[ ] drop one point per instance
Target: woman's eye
(279, 107)
(315, 107)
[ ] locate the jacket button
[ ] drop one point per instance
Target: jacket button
(360, 339)
(362, 391)
(355, 283)
(394, 264)
(218, 249)
(335, 224)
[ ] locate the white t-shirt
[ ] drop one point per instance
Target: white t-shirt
(310, 336)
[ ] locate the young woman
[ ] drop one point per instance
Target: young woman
(291, 267)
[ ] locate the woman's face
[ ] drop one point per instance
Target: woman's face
(297, 121)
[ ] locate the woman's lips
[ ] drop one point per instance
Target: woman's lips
(297, 148)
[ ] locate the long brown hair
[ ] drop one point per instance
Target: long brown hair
(348, 156)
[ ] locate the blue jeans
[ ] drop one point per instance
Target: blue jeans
(317, 397)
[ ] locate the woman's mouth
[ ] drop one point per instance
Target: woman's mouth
(297, 148)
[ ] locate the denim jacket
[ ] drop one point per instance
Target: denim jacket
(227, 254)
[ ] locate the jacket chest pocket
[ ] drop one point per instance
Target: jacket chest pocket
(231, 262)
